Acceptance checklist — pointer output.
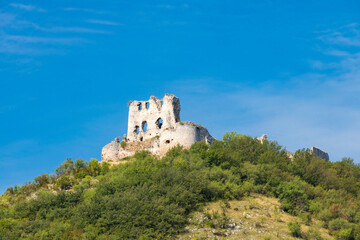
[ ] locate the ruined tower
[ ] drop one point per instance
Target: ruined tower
(148, 118)
(155, 125)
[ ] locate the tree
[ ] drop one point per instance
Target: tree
(79, 163)
(64, 183)
(65, 167)
(94, 167)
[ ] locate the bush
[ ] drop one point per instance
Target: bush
(65, 167)
(293, 197)
(337, 224)
(344, 234)
(42, 180)
(312, 234)
(94, 167)
(79, 164)
(64, 183)
(295, 229)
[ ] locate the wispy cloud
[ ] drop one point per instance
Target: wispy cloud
(34, 45)
(103, 22)
(21, 49)
(73, 29)
(45, 39)
(86, 10)
(6, 19)
(27, 7)
(49, 40)
(42, 42)
(167, 6)
(348, 35)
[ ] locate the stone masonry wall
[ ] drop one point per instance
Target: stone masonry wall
(149, 118)
(155, 125)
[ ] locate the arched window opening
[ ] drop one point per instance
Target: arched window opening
(137, 130)
(141, 139)
(144, 126)
(147, 105)
(162, 103)
(159, 123)
(140, 106)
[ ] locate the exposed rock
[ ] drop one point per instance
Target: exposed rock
(155, 125)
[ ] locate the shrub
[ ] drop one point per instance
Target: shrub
(79, 164)
(64, 183)
(312, 234)
(65, 167)
(42, 180)
(295, 229)
(94, 167)
(344, 234)
(337, 224)
(293, 197)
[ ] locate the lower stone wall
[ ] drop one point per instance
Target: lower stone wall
(185, 134)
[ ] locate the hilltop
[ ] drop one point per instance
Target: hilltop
(238, 185)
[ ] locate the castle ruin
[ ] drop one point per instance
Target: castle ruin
(155, 125)
(319, 153)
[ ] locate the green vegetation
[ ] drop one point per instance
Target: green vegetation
(148, 198)
(295, 229)
(123, 144)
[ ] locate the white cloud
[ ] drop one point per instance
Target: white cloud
(348, 35)
(86, 10)
(6, 19)
(49, 40)
(27, 7)
(103, 22)
(73, 29)
(33, 45)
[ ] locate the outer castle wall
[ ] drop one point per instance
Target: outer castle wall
(155, 125)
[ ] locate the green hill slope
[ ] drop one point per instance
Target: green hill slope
(150, 198)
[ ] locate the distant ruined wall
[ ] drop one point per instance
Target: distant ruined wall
(320, 153)
(155, 125)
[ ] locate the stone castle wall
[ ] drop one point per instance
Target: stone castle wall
(320, 153)
(149, 118)
(155, 125)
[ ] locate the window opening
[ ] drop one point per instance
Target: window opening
(140, 106)
(137, 130)
(162, 103)
(159, 123)
(141, 139)
(147, 105)
(167, 141)
(144, 126)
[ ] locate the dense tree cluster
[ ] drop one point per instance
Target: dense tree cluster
(150, 198)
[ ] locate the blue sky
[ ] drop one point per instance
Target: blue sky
(290, 69)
